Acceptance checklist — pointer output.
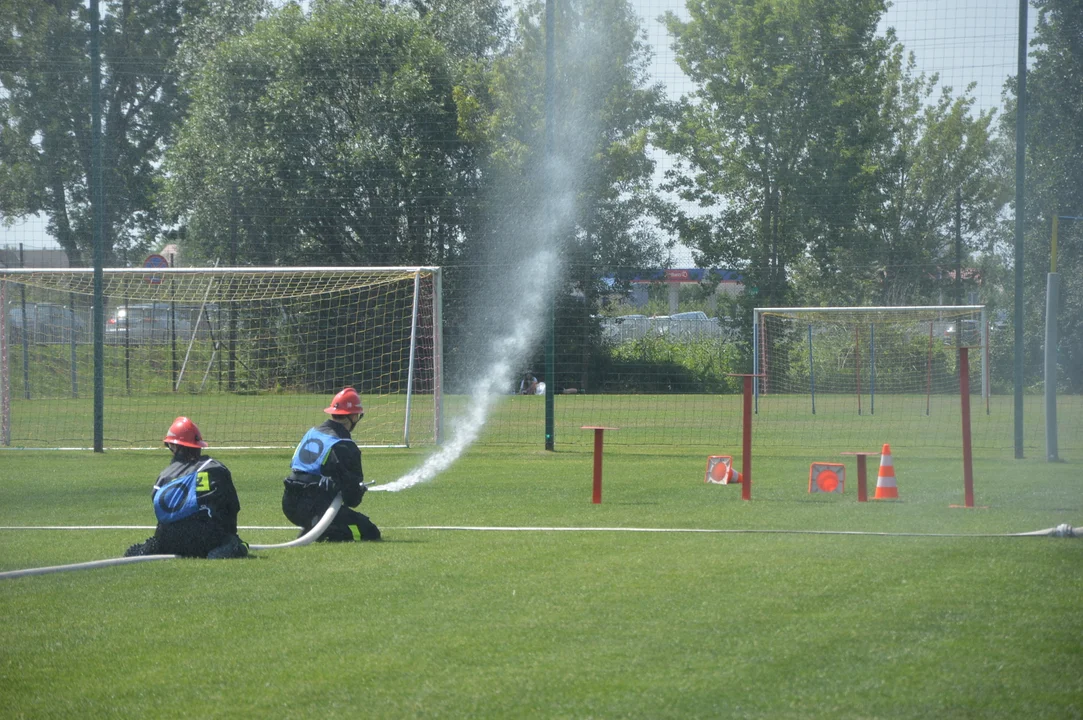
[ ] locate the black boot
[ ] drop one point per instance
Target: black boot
(233, 547)
(149, 547)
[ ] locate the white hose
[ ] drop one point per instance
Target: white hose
(1062, 530)
(84, 566)
(312, 534)
(305, 539)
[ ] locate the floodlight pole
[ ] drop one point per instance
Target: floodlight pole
(1020, 198)
(98, 226)
(1052, 302)
(550, 144)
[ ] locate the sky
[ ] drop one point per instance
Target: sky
(962, 40)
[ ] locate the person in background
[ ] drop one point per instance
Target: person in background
(194, 501)
(529, 384)
(327, 461)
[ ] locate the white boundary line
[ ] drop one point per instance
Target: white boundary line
(1065, 530)
(1061, 530)
(129, 527)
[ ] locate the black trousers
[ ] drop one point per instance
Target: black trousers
(193, 537)
(305, 507)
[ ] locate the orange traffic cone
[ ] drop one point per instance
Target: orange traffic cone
(885, 479)
(720, 471)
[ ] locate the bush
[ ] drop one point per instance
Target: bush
(657, 363)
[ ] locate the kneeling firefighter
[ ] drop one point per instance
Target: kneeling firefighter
(195, 502)
(327, 461)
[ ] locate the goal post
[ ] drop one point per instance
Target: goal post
(870, 369)
(252, 355)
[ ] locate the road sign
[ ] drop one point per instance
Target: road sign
(155, 261)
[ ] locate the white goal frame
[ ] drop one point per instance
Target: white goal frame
(933, 313)
(256, 284)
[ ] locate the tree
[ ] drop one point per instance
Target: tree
(775, 145)
(604, 107)
(936, 166)
(1054, 184)
(45, 149)
(327, 138)
(594, 199)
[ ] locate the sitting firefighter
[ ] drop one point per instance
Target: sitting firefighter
(195, 502)
(327, 462)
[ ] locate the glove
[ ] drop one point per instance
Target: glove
(364, 488)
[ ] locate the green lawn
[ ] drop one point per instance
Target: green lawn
(930, 616)
(675, 420)
(52, 407)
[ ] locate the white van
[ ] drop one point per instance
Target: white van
(147, 323)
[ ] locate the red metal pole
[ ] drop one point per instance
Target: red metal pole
(746, 448)
(968, 460)
(598, 465)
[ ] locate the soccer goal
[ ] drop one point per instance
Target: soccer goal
(871, 374)
(252, 355)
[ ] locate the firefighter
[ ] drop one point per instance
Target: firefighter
(195, 502)
(327, 461)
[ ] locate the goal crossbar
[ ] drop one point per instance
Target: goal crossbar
(221, 344)
(952, 317)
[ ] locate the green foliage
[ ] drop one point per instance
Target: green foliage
(777, 140)
(901, 355)
(658, 363)
(1054, 186)
(327, 135)
(603, 106)
(690, 297)
(45, 155)
(938, 170)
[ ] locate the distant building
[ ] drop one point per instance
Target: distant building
(727, 282)
(172, 253)
(33, 258)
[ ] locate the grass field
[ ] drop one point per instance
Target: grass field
(678, 420)
(928, 616)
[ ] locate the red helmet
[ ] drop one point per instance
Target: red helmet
(347, 402)
(184, 432)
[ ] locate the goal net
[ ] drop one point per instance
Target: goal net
(868, 376)
(252, 355)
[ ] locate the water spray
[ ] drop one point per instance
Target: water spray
(506, 352)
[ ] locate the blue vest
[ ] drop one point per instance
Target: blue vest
(312, 452)
(176, 499)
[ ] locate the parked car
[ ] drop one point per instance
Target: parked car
(971, 333)
(695, 325)
(46, 323)
(691, 325)
(626, 327)
(147, 323)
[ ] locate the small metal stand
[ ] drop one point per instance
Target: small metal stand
(599, 430)
(862, 474)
